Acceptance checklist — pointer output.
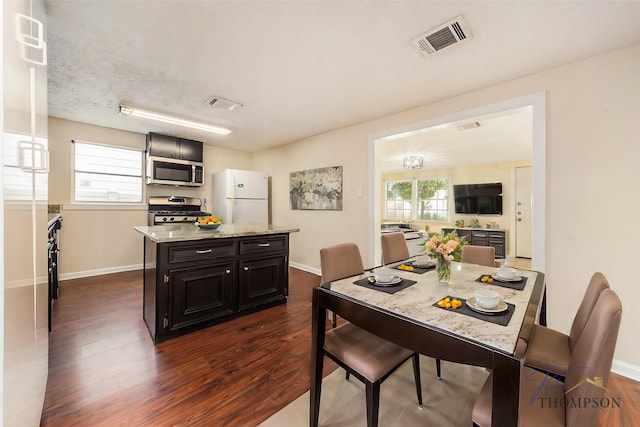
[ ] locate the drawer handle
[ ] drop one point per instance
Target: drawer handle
(264, 245)
(228, 271)
(246, 269)
(204, 251)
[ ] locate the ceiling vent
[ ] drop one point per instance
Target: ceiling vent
(467, 126)
(220, 103)
(443, 36)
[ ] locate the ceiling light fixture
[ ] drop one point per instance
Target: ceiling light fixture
(412, 162)
(137, 112)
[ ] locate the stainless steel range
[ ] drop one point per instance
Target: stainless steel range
(174, 209)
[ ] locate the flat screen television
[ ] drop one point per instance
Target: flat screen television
(478, 199)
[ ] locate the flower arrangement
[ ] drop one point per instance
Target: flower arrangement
(445, 249)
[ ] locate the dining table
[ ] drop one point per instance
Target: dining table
(407, 313)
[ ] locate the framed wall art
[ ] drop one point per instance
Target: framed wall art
(316, 189)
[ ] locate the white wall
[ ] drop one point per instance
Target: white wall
(592, 175)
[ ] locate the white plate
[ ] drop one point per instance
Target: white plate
(504, 279)
(502, 306)
(395, 281)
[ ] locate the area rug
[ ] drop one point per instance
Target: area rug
(446, 402)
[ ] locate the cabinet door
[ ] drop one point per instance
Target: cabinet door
(498, 241)
(23, 98)
(480, 238)
(162, 145)
(199, 294)
(262, 281)
(190, 150)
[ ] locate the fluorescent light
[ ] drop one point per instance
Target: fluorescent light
(137, 112)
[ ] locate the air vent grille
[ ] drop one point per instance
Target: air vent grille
(218, 102)
(443, 36)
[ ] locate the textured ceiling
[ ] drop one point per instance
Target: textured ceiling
(302, 68)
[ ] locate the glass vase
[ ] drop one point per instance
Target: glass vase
(443, 268)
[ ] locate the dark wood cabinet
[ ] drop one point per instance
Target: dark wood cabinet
(193, 284)
(199, 294)
(174, 147)
(482, 237)
(262, 281)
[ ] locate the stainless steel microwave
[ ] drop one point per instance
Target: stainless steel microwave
(168, 171)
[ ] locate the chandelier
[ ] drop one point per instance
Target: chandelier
(412, 162)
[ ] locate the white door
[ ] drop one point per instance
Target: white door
(523, 212)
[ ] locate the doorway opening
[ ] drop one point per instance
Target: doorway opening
(534, 104)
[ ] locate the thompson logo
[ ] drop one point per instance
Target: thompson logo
(546, 394)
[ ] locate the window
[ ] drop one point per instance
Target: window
(417, 199)
(104, 173)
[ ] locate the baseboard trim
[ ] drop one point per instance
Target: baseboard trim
(626, 370)
(100, 271)
(306, 268)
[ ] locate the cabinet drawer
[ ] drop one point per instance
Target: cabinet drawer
(202, 252)
(265, 245)
(498, 235)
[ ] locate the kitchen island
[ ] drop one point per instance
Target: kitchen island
(194, 278)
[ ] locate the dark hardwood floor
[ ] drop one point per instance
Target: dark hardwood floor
(104, 369)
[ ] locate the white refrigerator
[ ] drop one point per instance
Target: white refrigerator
(241, 196)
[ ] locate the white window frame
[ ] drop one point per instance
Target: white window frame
(414, 198)
(105, 204)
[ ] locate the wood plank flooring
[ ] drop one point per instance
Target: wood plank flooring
(104, 369)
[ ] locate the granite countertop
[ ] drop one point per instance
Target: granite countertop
(185, 232)
(477, 228)
(416, 302)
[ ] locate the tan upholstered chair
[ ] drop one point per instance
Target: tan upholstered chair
(394, 247)
(368, 357)
(481, 255)
(544, 401)
(549, 350)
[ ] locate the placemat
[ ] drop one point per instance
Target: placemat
(404, 284)
(417, 270)
(501, 319)
(518, 286)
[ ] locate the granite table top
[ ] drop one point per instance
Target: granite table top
(416, 302)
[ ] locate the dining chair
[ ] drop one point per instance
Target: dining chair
(481, 255)
(545, 401)
(549, 350)
(362, 354)
(394, 247)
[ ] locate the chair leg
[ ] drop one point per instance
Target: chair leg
(334, 321)
(416, 375)
(372, 392)
(438, 368)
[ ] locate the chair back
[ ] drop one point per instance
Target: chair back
(591, 361)
(394, 247)
(597, 284)
(340, 261)
(481, 255)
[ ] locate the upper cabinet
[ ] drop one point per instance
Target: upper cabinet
(174, 147)
(24, 193)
